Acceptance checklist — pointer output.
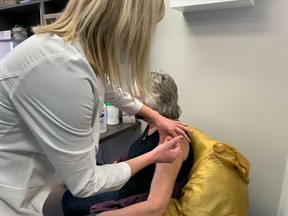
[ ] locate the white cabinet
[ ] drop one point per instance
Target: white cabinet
(202, 5)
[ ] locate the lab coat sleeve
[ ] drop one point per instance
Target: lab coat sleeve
(122, 100)
(55, 97)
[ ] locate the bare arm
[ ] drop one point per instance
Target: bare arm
(160, 191)
(166, 152)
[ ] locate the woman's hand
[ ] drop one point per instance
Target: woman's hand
(167, 126)
(168, 151)
(164, 125)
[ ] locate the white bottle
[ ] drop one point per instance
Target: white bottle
(103, 119)
(128, 119)
(112, 114)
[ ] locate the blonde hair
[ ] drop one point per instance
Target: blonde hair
(116, 37)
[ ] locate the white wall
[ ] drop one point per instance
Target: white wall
(231, 70)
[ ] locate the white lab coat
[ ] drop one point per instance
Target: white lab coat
(49, 125)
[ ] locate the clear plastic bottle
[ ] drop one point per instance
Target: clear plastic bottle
(103, 119)
(112, 114)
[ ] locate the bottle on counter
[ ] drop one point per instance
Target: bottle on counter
(103, 119)
(128, 119)
(112, 114)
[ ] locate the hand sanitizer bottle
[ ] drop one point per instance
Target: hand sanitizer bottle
(103, 120)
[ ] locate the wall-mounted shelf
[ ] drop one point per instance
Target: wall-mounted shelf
(203, 5)
(28, 14)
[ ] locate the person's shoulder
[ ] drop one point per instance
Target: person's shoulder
(53, 44)
(40, 46)
(185, 147)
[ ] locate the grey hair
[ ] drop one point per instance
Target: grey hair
(164, 95)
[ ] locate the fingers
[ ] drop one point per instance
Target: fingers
(174, 128)
(168, 138)
(181, 132)
(175, 150)
(161, 139)
(176, 147)
(181, 129)
(175, 142)
(181, 123)
(169, 150)
(175, 139)
(174, 133)
(184, 127)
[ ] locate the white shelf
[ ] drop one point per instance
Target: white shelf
(202, 5)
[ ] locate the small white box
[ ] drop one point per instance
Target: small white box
(6, 47)
(6, 35)
(128, 119)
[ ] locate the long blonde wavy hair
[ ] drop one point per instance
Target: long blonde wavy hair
(116, 36)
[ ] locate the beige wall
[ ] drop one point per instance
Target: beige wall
(231, 70)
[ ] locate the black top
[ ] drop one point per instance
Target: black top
(141, 181)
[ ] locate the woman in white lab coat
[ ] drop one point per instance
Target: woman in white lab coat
(52, 87)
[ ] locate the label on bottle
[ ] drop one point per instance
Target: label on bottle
(102, 119)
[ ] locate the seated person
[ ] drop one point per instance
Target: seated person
(148, 192)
